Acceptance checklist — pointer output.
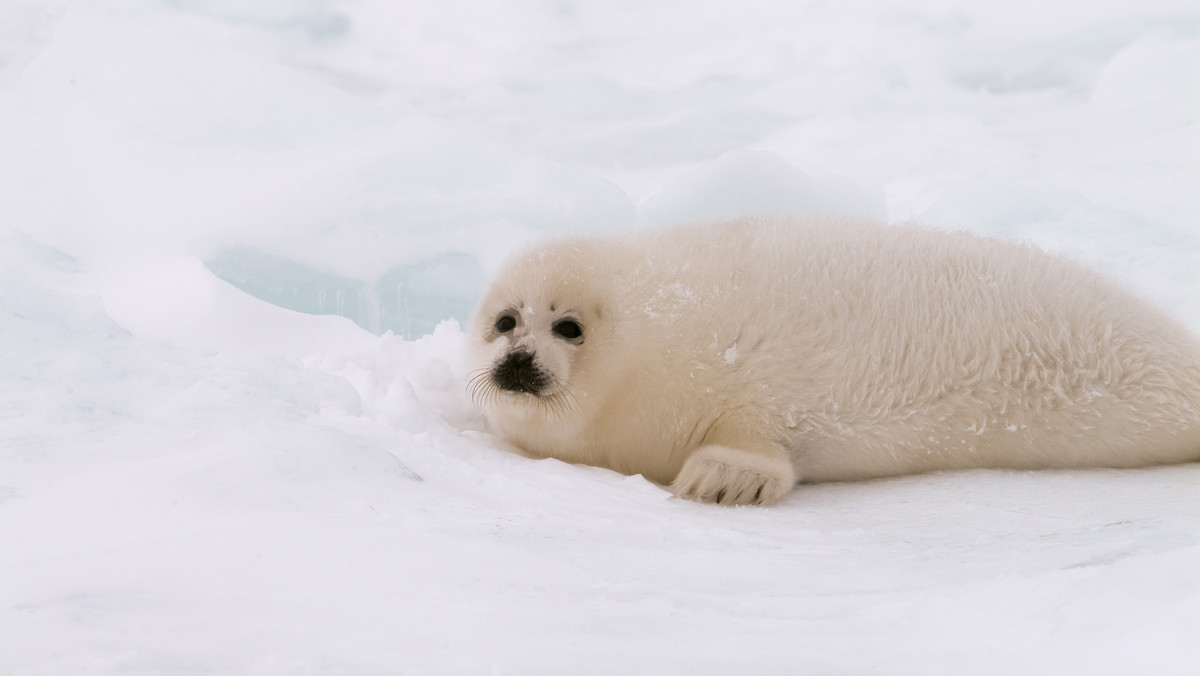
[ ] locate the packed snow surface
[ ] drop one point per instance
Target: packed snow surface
(238, 241)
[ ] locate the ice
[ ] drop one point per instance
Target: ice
(758, 184)
(408, 300)
(122, 157)
(239, 242)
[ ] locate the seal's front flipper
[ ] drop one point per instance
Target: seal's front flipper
(728, 475)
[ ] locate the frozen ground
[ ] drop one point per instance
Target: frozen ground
(196, 480)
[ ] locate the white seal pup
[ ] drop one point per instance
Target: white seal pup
(731, 360)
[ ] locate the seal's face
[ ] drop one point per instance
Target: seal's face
(532, 360)
(542, 343)
(519, 370)
(530, 351)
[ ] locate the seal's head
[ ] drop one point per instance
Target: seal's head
(542, 342)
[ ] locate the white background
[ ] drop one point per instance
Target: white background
(195, 481)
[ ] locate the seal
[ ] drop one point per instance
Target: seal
(730, 361)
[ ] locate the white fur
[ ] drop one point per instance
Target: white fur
(825, 350)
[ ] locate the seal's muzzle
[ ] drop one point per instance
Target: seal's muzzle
(518, 372)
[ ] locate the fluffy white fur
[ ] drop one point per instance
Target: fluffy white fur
(732, 360)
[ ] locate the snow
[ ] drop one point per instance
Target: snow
(238, 241)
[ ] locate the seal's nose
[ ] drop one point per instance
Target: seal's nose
(519, 373)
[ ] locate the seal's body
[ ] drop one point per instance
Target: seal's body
(731, 360)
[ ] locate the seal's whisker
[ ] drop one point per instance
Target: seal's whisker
(482, 387)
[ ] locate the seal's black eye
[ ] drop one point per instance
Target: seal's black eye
(569, 329)
(506, 323)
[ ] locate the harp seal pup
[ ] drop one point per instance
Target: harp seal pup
(730, 361)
